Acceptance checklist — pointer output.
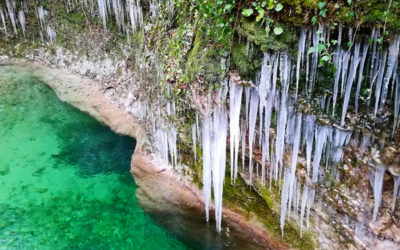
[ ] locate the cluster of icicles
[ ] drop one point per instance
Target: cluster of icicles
(269, 120)
(18, 21)
(127, 13)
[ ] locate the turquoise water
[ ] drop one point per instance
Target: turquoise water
(64, 177)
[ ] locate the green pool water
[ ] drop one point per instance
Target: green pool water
(64, 177)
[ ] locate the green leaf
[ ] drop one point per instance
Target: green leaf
(321, 47)
(247, 12)
(326, 58)
(334, 42)
(311, 50)
(271, 4)
(260, 14)
(278, 31)
(314, 20)
(264, 4)
(228, 7)
(321, 5)
(279, 7)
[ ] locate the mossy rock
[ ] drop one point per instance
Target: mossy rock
(204, 60)
(256, 33)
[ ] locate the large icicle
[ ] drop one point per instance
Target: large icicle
(396, 104)
(162, 144)
(194, 137)
(379, 79)
(218, 158)
(391, 68)
(252, 124)
(214, 131)
(235, 101)
(290, 176)
(282, 114)
(206, 147)
(11, 13)
(21, 19)
(396, 180)
(350, 80)
(309, 138)
(103, 11)
(3, 20)
(377, 187)
(135, 13)
(300, 55)
(338, 65)
(360, 74)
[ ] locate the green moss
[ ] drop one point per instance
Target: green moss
(255, 33)
(204, 60)
(242, 196)
(246, 59)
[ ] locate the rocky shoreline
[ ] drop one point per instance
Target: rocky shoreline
(161, 190)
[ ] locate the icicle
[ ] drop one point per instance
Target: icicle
(303, 207)
(51, 34)
(118, 13)
(310, 122)
(339, 141)
(214, 133)
(243, 133)
(135, 14)
(235, 101)
(263, 159)
(379, 81)
(350, 80)
(42, 13)
(314, 64)
(267, 123)
(338, 66)
(194, 141)
(3, 19)
(295, 152)
(365, 141)
(247, 94)
(282, 114)
(103, 11)
(392, 67)
(300, 55)
(218, 158)
(252, 123)
(206, 147)
(396, 180)
(263, 89)
(377, 187)
(11, 13)
(172, 136)
(320, 140)
(396, 105)
(284, 198)
(360, 74)
(21, 18)
(162, 144)
(289, 179)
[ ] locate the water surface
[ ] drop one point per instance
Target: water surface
(64, 177)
